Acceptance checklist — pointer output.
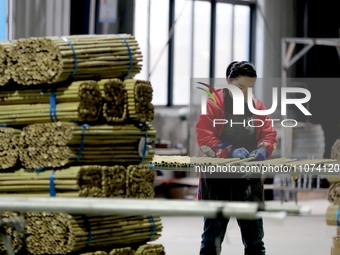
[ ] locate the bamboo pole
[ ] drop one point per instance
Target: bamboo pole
(55, 59)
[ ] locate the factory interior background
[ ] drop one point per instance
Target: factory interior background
(187, 40)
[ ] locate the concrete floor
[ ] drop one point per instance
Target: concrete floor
(296, 235)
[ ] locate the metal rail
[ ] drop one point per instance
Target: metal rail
(105, 206)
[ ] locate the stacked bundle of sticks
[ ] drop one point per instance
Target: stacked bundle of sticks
(156, 249)
(95, 253)
(55, 59)
(58, 144)
(9, 151)
(83, 181)
(332, 213)
(44, 145)
(334, 193)
(335, 154)
(80, 101)
(31, 184)
(15, 235)
(90, 181)
(114, 181)
(48, 233)
(135, 181)
(4, 72)
(145, 249)
(139, 181)
(139, 96)
(122, 251)
(115, 106)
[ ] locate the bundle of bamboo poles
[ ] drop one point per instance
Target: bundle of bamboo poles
(49, 233)
(115, 251)
(55, 59)
(135, 181)
(16, 235)
(155, 249)
(90, 181)
(83, 181)
(334, 193)
(335, 154)
(115, 105)
(32, 184)
(332, 217)
(139, 181)
(80, 101)
(145, 249)
(114, 181)
(139, 97)
(95, 253)
(4, 72)
(122, 251)
(9, 151)
(61, 143)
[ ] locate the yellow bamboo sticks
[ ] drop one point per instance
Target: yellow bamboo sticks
(4, 58)
(56, 59)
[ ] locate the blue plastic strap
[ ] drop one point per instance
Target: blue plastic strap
(145, 145)
(53, 106)
(143, 127)
(52, 186)
(130, 55)
(152, 227)
(81, 147)
(75, 61)
(338, 217)
(88, 228)
(40, 169)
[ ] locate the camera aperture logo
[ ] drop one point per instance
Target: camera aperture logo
(239, 104)
(212, 96)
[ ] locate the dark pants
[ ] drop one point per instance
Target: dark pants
(214, 231)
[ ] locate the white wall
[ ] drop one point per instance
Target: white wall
(274, 19)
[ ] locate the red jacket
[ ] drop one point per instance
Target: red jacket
(208, 136)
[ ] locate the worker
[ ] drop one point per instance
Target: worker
(240, 140)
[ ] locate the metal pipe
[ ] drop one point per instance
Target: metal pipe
(10, 25)
(104, 206)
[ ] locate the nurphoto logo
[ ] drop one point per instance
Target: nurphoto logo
(239, 104)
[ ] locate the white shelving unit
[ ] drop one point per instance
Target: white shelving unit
(288, 59)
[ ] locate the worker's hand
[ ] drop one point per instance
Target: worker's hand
(259, 154)
(239, 153)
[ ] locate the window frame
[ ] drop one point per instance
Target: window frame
(212, 50)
